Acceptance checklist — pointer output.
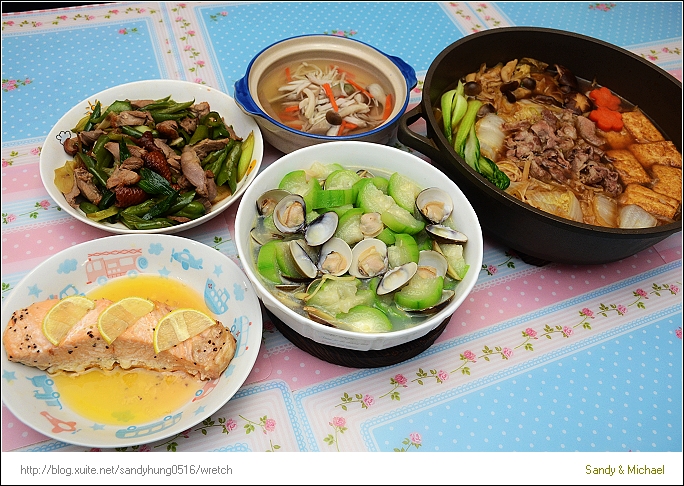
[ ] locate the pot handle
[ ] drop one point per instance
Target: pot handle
(406, 69)
(413, 139)
(244, 99)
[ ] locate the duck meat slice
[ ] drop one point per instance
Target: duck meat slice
(131, 118)
(84, 181)
(168, 129)
(122, 177)
(113, 148)
(136, 151)
(132, 163)
(200, 109)
(192, 170)
(189, 124)
(212, 190)
(73, 194)
(206, 146)
(171, 156)
(89, 138)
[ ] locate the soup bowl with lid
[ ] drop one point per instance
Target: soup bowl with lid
(357, 65)
(323, 338)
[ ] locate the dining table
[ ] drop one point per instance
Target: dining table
(539, 358)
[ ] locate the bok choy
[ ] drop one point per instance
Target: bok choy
(459, 115)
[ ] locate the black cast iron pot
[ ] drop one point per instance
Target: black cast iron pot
(529, 231)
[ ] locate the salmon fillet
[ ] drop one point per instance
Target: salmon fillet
(205, 356)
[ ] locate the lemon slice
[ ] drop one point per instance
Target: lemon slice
(179, 325)
(116, 318)
(62, 317)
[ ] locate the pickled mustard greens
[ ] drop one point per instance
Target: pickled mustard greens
(358, 251)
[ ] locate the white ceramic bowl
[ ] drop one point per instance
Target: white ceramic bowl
(358, 155)
(399, 75)
(53, 156)
(228, 294)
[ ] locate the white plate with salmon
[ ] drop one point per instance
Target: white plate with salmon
(127, 340)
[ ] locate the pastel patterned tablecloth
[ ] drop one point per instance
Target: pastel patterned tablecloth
(552, 358)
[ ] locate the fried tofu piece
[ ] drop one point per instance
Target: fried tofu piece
(653, 202)
(628, 167)
(667, 180)
(617, 140)
(641, 127)
(664, 153)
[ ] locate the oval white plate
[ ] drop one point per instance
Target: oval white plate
(52, 154)
(28, 391)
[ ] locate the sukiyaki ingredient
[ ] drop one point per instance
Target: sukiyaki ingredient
(459, 116)
(606, 119)
(569, 147)
(603, 97)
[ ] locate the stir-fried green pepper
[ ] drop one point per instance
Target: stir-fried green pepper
(136, 222)
(160, 117)
(162, 207)
(158, 104)
(183, 200)
(201, 132)
(103, 214)
(245, 156)
(88, 207)
(117, 107)
(90, 163)
(192, 211)
(103, 156)
(229, 170)
(131, 131)
(140, 209)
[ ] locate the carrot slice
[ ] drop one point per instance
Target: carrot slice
(288, 76)
(345, 125)
(291, 108)
(331, 97)
(388, 107)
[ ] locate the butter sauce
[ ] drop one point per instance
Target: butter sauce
(136, 396)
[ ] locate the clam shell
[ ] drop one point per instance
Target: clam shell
(289, 215)
(268, 201)
(321, 229)
(445, 233)
(396, 278)
(369, 258)
(335, 257)
(302, 259)
(435, 260)
(435, 204)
